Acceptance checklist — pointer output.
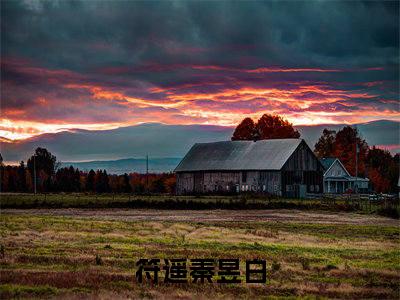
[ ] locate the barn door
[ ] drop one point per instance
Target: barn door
(302, 190)
(198, 182)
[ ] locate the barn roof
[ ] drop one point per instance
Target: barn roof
(238, 155)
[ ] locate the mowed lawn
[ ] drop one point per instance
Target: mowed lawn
(74, 256)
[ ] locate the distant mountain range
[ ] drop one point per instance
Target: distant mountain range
(165, 144)
(127, 165)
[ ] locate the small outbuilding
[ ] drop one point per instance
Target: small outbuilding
(282, 167)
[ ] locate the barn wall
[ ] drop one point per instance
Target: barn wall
(270, 182)
(184, 183)
(302, 173)
(221, 181)
(231, 182)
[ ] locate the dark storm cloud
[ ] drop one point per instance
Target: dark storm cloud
(124, 62)
(81, 35)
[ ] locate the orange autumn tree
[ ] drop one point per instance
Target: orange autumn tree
(383, 169)
(380, 183)
(244, 131)
(345, 149)
(267, 127)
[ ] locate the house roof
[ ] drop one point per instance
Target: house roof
(327, 162)
(239, 155)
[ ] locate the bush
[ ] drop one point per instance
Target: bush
(389, 212)
(275, 266)
(305, 264)
(98, 260)
(330, 267)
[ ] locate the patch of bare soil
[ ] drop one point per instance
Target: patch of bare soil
(272, 215)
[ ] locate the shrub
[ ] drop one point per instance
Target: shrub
(305, 264)
(98, 260)
(330, 267)
(276, 266)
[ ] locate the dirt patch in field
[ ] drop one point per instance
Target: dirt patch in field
(276, 215)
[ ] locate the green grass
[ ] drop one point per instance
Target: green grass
(46, 256)
(243, 201)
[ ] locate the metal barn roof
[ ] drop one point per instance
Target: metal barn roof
(238, 155)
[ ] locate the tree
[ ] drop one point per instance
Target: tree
(275, 127)
(44, 160)
(244, 131)
(157, 185)
(90, 181)
(383, 169)
(126, 186)
(102, 182)
(325, 147)
(267, 127)
(22, 186)
(170, 184)
(45, 165)
(346, 142)
(380, 183)
(76, 180)
(12, 187)
(343, 146)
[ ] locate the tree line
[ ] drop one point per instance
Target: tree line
(51, 178)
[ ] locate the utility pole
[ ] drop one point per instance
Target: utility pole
(34, 173)
(356, 166)
(147, 172)
(355, 183)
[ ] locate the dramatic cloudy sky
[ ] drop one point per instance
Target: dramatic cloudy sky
(106, 64)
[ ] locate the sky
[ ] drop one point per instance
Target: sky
(108, 64)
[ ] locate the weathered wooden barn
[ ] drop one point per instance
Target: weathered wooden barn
(283, 167)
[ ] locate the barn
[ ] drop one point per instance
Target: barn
(282, 167)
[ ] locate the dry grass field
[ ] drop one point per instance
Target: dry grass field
(75, 253)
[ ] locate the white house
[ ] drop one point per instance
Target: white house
(337, 179)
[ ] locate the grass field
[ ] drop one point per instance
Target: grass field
(64, 253)
(243, 201)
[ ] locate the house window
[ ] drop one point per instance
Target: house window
(247, 187)
(244, 176)
(264, 187)
(311, 188)
(243, 188)
(227, 187)
(317, 188)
